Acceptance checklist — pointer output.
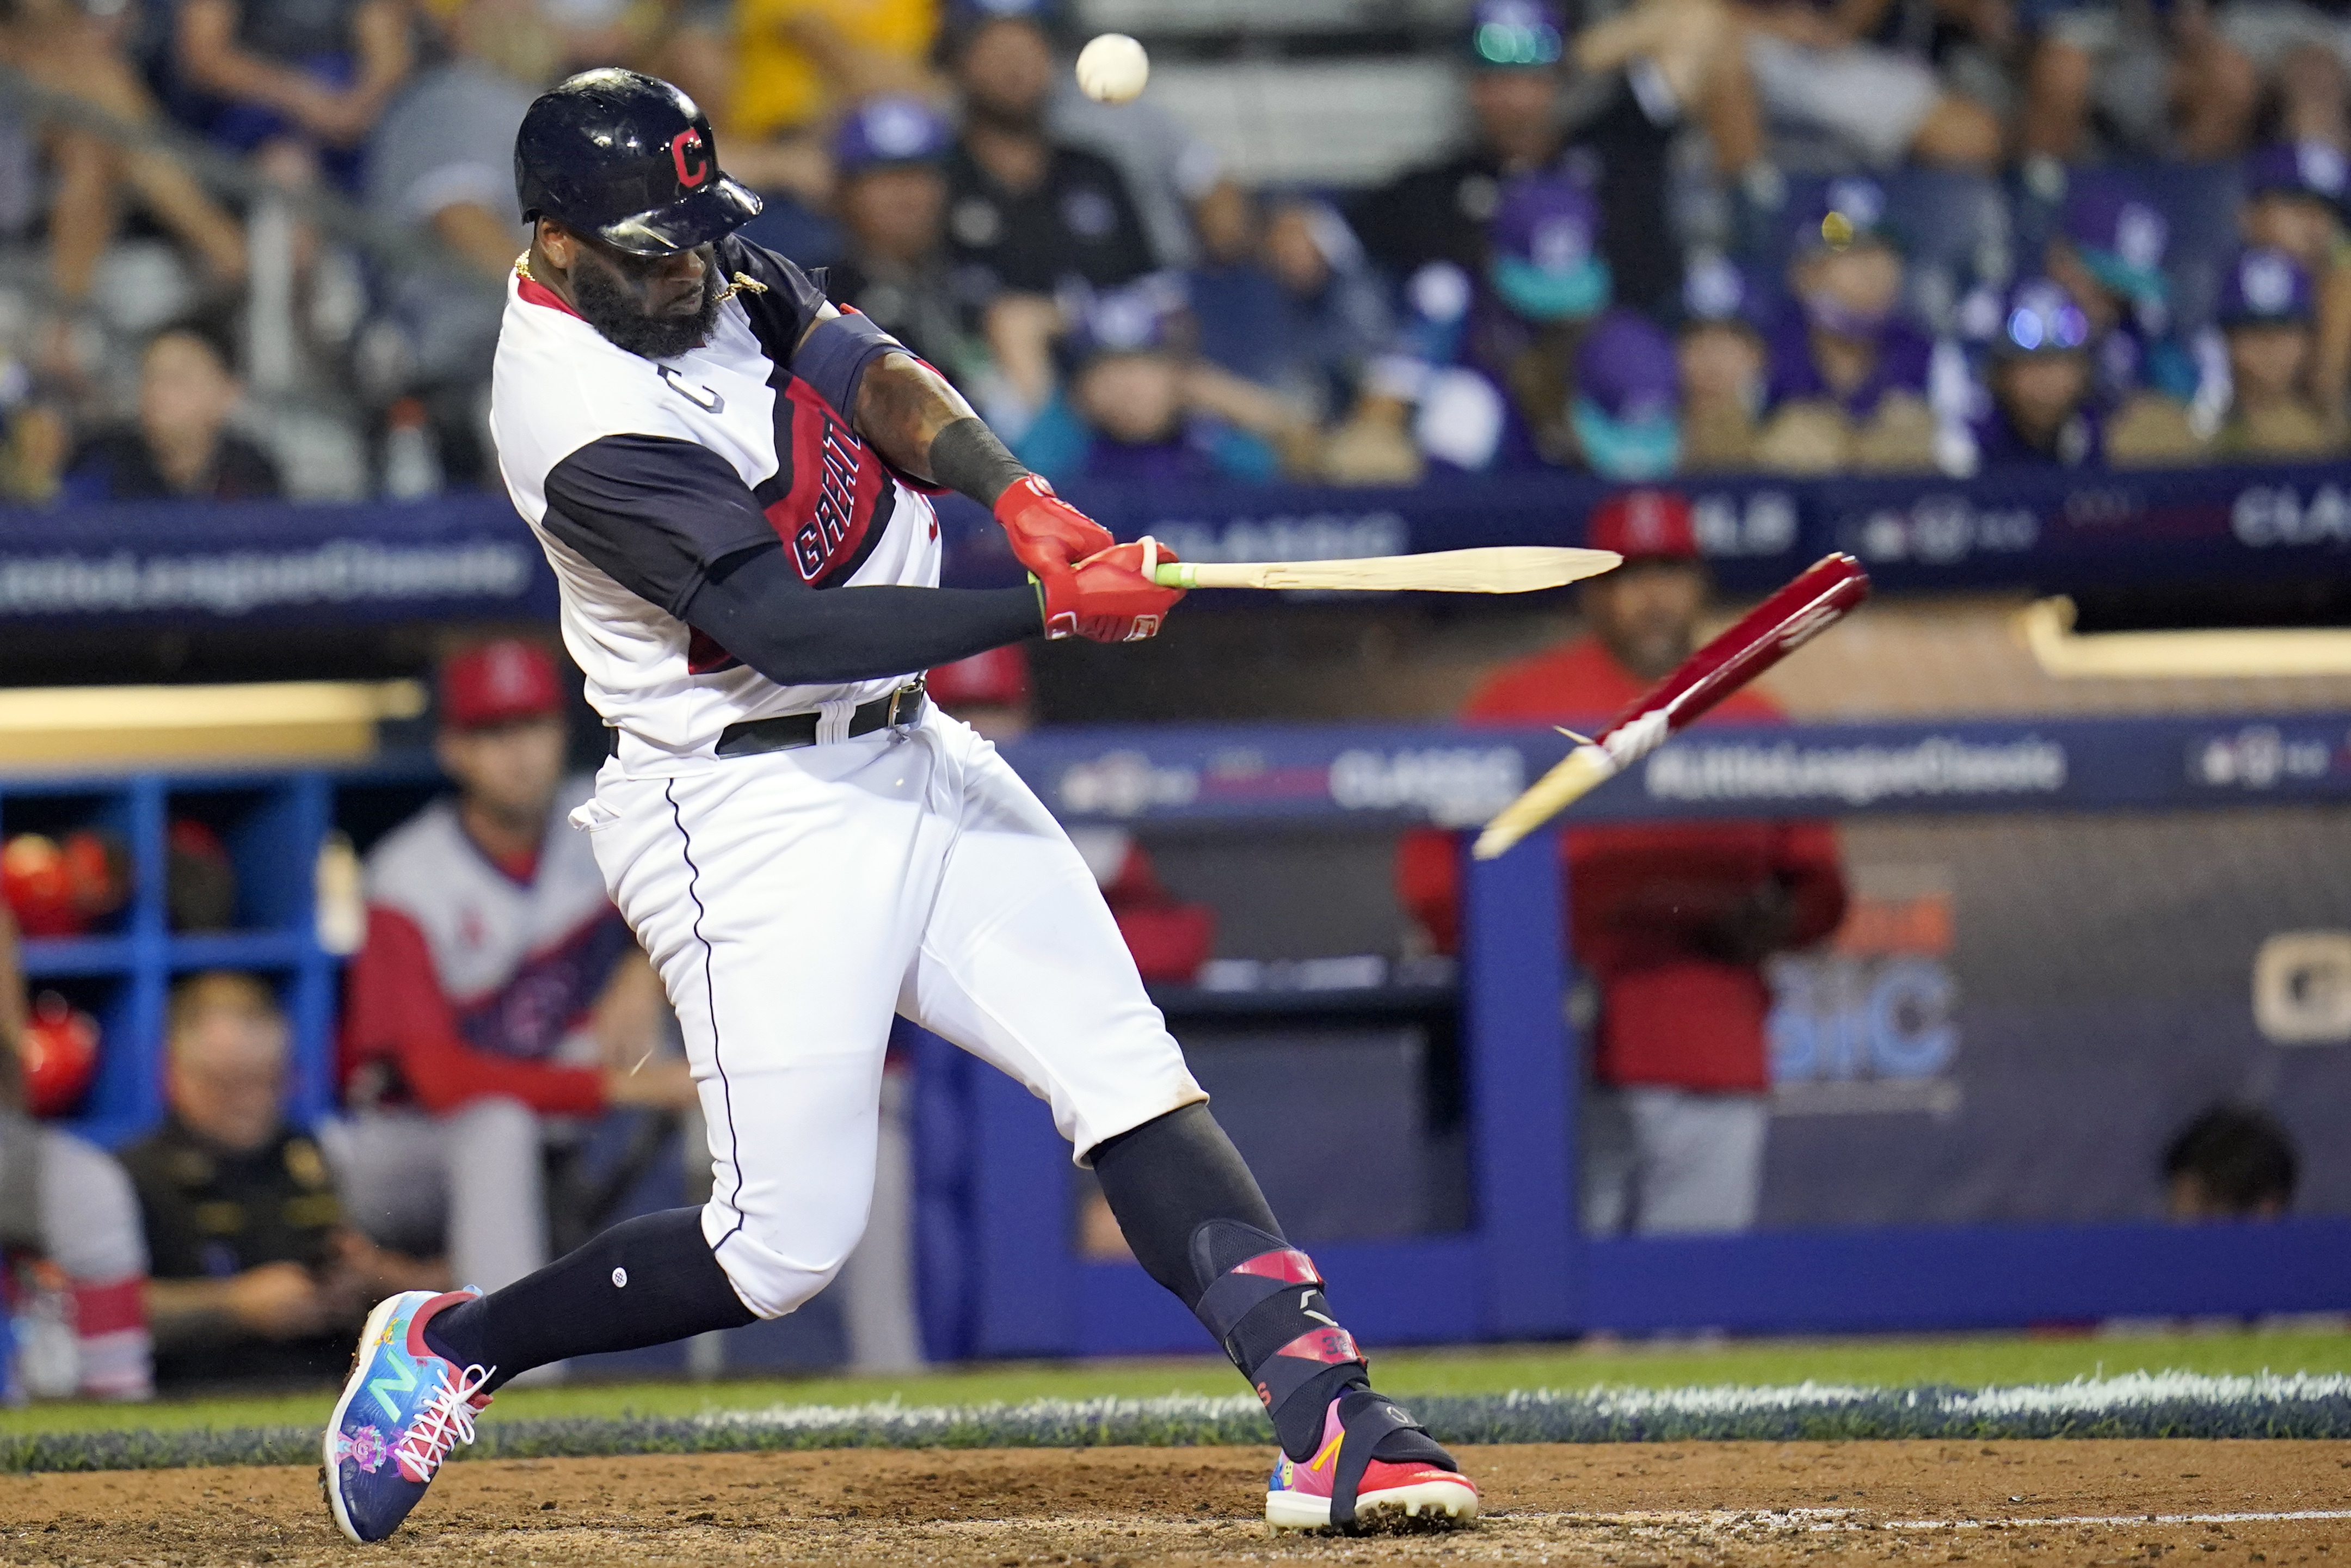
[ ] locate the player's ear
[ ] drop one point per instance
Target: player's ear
(555, 243)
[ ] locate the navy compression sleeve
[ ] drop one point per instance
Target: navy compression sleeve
(756, 607)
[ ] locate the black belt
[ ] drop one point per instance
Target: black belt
(788, 732)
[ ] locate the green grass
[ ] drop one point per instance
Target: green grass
(1969, 1361)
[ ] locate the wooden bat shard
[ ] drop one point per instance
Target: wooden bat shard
(1518, 569)
(1818, 599)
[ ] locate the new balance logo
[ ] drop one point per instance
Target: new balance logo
(399, 1378)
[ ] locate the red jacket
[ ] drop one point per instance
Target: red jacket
(1642, 896)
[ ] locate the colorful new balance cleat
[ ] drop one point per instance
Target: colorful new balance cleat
(1340, 1486)
(402, 1411)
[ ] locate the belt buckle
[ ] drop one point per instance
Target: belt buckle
(913, 688)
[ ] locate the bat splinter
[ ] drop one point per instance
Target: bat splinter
(1514, 568)
(1815, 600)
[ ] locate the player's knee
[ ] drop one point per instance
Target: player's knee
(775, 1272)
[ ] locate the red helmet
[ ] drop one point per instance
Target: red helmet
(59, 1055)
(38, 887)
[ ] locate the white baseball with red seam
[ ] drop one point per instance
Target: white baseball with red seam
(1112, 68)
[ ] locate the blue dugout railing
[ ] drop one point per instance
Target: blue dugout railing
(1002, 1274)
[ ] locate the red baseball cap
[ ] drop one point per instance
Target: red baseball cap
(1644, 525)
(497, 683)
(998, 678)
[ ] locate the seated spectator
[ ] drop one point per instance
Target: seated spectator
(1719, 351)
(1025, 212)
(1513, 76)
(1484, 374)
(314, 75)
(2232, 1162)
(1170, 939)
(1141, 408)
(892, 200)
(2039, 409)
(181, 444)
(1814, 66)
(255, 1275)
(2293, 194)
(1846, 380)
(498, 992)
(2268, 321)
(795, 68)
(1671, 921)
(2297, 57)
(2109, 254)
(73, 51)
(1626, 411)
(70, 1226)
(1286, 298)
(2160, 78)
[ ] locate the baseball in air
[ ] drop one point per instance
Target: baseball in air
(1112, 68)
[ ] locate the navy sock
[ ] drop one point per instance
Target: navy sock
(647, 1281)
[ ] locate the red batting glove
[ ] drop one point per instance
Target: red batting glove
(1109, 597)
(1047, 532)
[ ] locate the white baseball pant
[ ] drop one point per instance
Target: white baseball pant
(793, 901)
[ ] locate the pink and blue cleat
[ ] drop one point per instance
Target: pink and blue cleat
(402, 1411)
(1341, 1488)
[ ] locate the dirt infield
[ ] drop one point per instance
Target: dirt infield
(1629, 1506)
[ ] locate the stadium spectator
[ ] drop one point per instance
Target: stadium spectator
(2232, 1162)
(1513, 81)
(1026, 212)
(181, 443)
(499, 998)
(1484, 374)
(1846, 378)
(798, 65)
(309, 74)
(1671, 923)
(2293, 197)
(2268, 320)
(2296, 53)
(1719, 351)
(69, 1230)
(892, 201)
(1818, 67)
(2038, 410)
(436, 160)
(256, 1277)
(1140, 407)
(1285, 298)
(1626, 408)
(75, 52)
(2161, 78)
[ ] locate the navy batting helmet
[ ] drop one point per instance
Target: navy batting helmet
(628, 159)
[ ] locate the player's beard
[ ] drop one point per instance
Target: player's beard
(614, 309)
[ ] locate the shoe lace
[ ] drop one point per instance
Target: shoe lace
(446, 1421)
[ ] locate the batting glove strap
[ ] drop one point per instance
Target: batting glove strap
(1108, 598)
(1047, 532)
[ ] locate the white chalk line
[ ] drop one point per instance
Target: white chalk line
(1825, 1519)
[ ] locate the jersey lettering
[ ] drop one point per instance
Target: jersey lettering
(837, 499)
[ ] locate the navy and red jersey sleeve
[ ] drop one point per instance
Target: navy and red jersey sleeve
(654, 513)
(396, 1014)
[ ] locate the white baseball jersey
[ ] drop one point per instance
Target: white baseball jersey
(520, 962)
(594, 443)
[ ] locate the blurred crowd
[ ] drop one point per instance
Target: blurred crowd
(1674, 236)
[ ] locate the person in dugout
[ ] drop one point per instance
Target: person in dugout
(1670, 921)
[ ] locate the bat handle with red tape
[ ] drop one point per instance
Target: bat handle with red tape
(1821, 596)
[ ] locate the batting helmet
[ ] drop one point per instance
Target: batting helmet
(629, 159)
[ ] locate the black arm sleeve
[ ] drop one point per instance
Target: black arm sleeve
(968, 457)
(756, 607)
(673, 523)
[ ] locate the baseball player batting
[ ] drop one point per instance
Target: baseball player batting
(729, 478)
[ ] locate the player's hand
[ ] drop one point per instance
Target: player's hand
(278, 1301)
(1109, 597)
(1047, 532)
(665, 1083)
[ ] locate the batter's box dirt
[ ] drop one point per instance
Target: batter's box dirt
(1686, 1505)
